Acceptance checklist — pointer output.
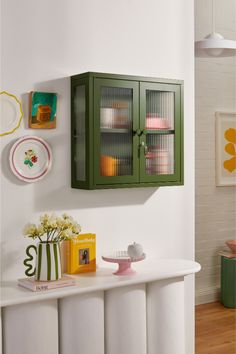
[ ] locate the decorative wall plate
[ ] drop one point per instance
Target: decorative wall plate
(30, 158)
(11, 113)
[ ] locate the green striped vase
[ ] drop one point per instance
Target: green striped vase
(48, 261)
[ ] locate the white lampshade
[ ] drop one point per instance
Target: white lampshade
(214, 45)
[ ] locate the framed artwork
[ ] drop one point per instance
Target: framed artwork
(225, 149)
(43, 106)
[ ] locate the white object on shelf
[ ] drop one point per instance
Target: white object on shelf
(135, 250)
(107, 117)
(34, 285)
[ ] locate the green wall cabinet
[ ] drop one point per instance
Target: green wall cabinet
(126, 131)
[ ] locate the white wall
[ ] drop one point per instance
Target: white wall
(43, 44)
(215, 91)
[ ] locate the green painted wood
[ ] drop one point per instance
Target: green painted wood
(88, 183)
(115, 130)
(39, 266)
(125, 77)
(228, 282)
(55, 249)
(138, 185)
(90, 141)
(182, 133)
(158, 131)
(93, 82)
(48, 254)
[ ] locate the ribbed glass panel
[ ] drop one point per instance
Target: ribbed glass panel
(160, 154)
(116, 131)
(80, 149)
(159, 110)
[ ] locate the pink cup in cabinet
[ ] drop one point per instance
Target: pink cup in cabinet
(155, 122)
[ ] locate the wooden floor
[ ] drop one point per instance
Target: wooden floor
(215, 329)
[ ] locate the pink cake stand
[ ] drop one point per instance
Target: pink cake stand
(124, 262)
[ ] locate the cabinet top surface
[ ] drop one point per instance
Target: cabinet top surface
(126, 77)
(103, 279)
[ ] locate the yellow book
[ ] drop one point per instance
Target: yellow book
(81, 254)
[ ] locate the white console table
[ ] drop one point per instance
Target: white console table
(102, 314)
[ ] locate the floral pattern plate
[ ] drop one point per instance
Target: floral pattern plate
(30, 158)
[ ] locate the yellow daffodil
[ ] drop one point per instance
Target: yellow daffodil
(54, 228)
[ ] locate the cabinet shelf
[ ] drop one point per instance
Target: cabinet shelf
(160, 131)
(116, 130)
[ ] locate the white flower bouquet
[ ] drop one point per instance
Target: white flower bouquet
(53, 228)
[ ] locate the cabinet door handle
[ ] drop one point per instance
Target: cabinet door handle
(145, 147)
(137, 132)
(144, 132)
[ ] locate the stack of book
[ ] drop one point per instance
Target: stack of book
(33, 285)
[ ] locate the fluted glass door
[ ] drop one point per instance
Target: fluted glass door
(116, 121)
(160, 132)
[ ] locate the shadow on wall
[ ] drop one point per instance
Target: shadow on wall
(62, 197)
(53, 192)
(6, 166)
(8, 258)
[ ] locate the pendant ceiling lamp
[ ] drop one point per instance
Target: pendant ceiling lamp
(214, 44)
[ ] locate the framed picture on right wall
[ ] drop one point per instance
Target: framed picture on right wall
(225, 149)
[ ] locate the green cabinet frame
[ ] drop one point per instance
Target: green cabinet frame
(92, 83)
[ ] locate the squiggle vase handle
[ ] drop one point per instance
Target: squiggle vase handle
(27, 262)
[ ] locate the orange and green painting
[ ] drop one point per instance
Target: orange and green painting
(230, 149)
(43, 107)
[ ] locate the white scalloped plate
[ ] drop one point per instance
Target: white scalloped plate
(11, 113)
(30, 158)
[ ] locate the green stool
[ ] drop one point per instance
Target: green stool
(228, 282)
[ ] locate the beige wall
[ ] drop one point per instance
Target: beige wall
(215, 90)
